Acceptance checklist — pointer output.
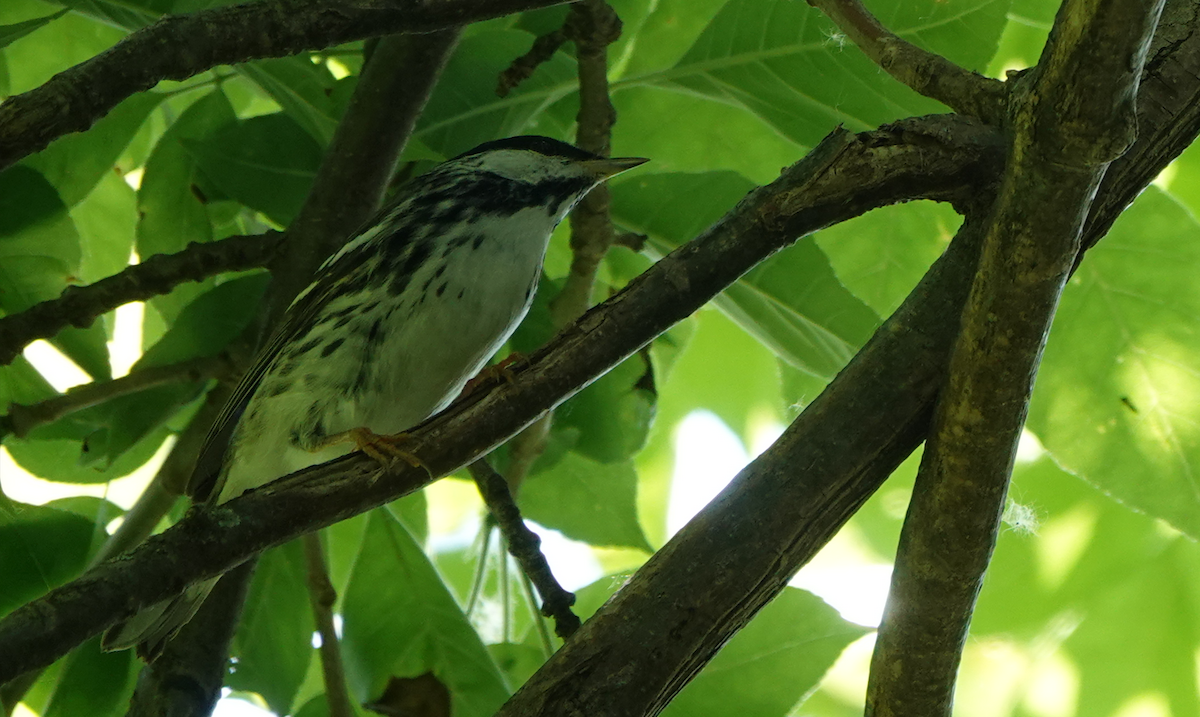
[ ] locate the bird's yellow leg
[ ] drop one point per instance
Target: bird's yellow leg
(501, 370)
(383, 449)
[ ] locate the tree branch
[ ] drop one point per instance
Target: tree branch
(927, 73)
(523, 544)
(23, 418)
(593, 25)
(935, 157)
(323, 597)
(80, 305)
(179, 46)
(1075, 116)
(395, 85)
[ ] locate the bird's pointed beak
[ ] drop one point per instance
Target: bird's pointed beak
(611, 166)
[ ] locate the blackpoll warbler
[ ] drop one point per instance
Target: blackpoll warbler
(391, 328)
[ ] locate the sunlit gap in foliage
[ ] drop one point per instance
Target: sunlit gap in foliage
(846, 574)
(240, 706)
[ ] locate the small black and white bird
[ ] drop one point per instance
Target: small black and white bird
(391, 328)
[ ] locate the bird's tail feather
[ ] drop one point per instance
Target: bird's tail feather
(151, 628)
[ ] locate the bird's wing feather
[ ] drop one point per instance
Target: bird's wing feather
(207, 475)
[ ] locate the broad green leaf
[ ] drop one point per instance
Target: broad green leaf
(94, 682)
(786, 62)
(267, 163)
(400, 620)
(302, 89)
(15, 31)
(273, 643)
(791, 302)
(126, 14)
(1108, 595)
(1118, 398)
(681, 132)
(209, 323)
(464, 110)
(40, 548)
(670, 28)
(82, 451)
(171, 214)
(518, 662)
(74, 163)
(1024, 36)
(40, 255)
(66, 42)
(585, 500)
(613, 414)
(107, 224)
(881, 255)
(20, 382)
(39, 248)
(171, 211)
(772, 663)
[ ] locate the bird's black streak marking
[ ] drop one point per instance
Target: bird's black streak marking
(460, 293)
(477, 241)
(442, 289)
(306, 347)
(331, 347)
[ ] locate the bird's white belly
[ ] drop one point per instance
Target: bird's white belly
(414, 364)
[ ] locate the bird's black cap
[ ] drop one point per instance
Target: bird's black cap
(533, 143)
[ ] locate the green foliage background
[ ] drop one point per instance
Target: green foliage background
(1092, 604)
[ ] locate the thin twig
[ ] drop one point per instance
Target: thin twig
(593, 25)
(23, 418)
(323, 597)
(524, 545)
(524, 66)
(925, 72)
(80, 305)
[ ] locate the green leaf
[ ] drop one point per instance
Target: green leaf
(74, 163)
(1118, 396)
(614, 413)
(9, 33)
(791, 302)
(585, 500)
(107, 224)
(94, 682)
(881, 256)
(772, 663)
(209, 323)
(87, 451)
(68, 41)
(171, 215)
(39, 248)
(786, 62)
(671, 27)
(267, 163)
(400, 620)
(303, 89)
(733, 138)
(40, 549)
(273, 643)
(464, 110)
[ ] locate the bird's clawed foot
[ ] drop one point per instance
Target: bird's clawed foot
(498, 370)
(384, 449)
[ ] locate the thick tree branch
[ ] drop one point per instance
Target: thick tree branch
(179, 46)
(395, 84)
(1071, 117)
(927, 73)
(935, 157)
(80, 305)
(524, 545)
